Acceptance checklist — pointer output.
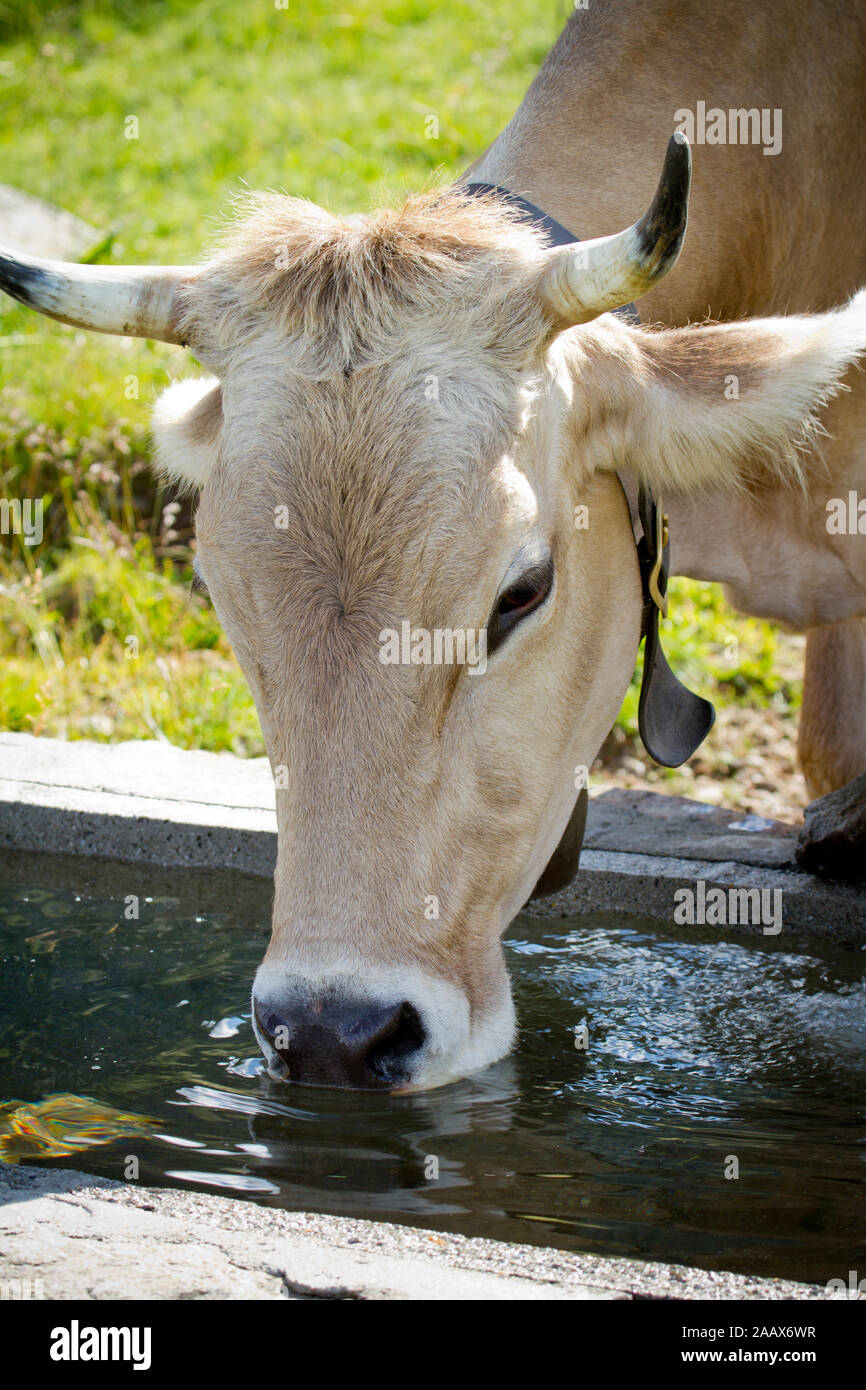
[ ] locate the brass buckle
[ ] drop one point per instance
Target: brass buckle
(661, 539)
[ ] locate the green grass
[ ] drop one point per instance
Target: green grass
(110, 644)
(323, 104)
(328, 101)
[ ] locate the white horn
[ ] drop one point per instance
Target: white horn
(593, 277)
(134, 300)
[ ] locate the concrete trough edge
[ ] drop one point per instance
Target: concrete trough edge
(175, 833)
(645, 884)
(85, 1237)
(171, 834)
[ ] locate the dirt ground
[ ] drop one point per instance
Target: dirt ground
(748, 762)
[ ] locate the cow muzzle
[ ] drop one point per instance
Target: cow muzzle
(341, 1042)
(377, 1027)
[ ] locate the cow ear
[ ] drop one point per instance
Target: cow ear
(717, 405)
(187, 420)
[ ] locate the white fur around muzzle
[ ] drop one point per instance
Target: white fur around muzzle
(455, 1043)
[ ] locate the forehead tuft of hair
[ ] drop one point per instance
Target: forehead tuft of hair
(355, 288)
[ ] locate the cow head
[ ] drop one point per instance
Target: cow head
(407, 414)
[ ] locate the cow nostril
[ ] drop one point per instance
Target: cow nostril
(275, 1029)
(388, 1055)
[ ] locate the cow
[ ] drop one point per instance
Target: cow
(403, 415)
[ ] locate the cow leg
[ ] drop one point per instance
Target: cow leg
(832, 748)
(832, 741)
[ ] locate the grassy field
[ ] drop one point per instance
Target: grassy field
(99, 634)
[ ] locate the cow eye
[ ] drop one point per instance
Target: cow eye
(517, 601)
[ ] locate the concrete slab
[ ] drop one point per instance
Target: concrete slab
(645, 823)
(88, 1238)
(42, 229)
(142, 801)
(149, 802)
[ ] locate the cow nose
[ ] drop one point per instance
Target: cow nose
(340, 1043)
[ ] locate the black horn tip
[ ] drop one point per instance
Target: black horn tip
(20, 280)
(662, 228)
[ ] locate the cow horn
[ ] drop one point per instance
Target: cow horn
(592, 277)
(135, 300)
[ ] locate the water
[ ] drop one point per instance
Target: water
(699, 1053)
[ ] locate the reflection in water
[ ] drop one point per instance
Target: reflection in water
(60, 1125)
(651, 1069)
